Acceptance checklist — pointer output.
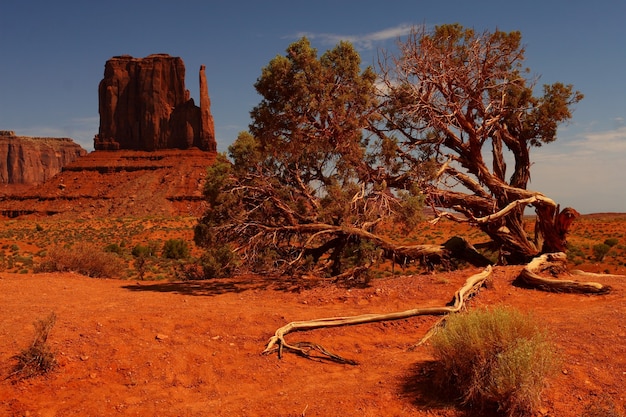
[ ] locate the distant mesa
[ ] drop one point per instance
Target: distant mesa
(26, 160)
(151, 151)
(144, 106)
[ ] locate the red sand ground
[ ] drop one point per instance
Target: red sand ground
(163, 348)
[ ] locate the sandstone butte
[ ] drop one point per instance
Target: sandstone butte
(144, 105)
(151, 151)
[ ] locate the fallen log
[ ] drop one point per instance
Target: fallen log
(277, 342)
(554, 264)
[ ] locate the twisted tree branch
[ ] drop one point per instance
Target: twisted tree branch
(277, 342)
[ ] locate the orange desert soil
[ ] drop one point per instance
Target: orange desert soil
(160, 348)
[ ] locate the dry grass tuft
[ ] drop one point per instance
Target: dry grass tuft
(495, 357)
(38, 358)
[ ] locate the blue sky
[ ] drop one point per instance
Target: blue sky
(52, 56)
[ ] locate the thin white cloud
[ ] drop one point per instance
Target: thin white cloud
(583, 172)
(362, 41)
(609, 141)
(603, 145)
(81, 130)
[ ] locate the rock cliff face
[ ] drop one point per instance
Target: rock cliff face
(26, 160)
(144, 105)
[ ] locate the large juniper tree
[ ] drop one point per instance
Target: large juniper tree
(332, 160)
(467, 98)
(307, 185)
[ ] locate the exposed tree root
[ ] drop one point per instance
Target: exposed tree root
(554, 264)
(278, 343)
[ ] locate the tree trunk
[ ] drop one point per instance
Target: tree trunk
(554, 264)
(552, 227)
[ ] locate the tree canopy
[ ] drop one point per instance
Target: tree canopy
(466, 98)
(304, 190)
(337, 154)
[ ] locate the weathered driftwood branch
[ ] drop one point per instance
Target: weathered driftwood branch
(537, 198)
(278, 343)
(554, 264)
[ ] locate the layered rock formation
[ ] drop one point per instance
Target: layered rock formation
(118, 184)
(163, 144)
(26, 160)
(144, 105)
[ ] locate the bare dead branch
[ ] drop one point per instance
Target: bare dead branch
(277, 342)
(554, 264)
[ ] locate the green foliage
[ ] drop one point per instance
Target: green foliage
(38, 358)
(145, 251)
(600, 250)
(307, 164)
(84, 259)
(611, 241)
(495, 357)
(175, 249)
(114, 248)
(219, 262)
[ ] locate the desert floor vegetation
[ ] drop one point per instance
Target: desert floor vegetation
(25, 243)
(110, 246)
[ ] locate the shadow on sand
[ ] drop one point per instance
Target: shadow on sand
(235, 285)
(420, 388)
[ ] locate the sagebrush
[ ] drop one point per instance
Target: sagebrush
(495, 357)
(85, 259)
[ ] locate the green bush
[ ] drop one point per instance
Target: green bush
(145, 251)
(219, 262)
(114, 248)
(611, 241)
(600, 250)
(175, 249)
(86, 259)
(495, 358)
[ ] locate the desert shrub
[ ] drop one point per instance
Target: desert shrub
(600, 250)
(145, 251)
(114, 248)
(219, 261)
(496, 358)
(83, 259)
(611, 241)
(23, 260)
(140, 266)
(175, 249)
(38, 358)
(574, 252)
